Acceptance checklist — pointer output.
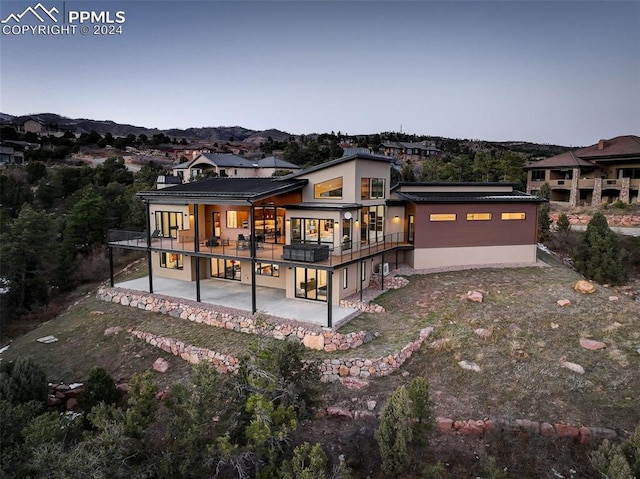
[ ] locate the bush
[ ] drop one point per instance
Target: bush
(598, 256)
(421, 410)
(99, 387)
(142, 404)
(619, 461)
(23, 381)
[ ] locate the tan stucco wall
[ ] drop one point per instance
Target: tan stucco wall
(473, 256)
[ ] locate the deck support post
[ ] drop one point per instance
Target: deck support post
(196, 248)
(329, 299)
(111, 282)
(252, 252)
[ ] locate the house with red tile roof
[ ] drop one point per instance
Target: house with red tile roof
(607, 171)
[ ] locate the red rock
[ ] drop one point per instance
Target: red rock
(444, 424)
(343, 371)
(592, 344)
(54, 401)
(457, 425)
(585, 435)
(471, 429)
(563, 302)
(71, 404)
(564, 430)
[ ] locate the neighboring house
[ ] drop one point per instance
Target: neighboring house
(232, 166)
(190, 152)
(605, 172)
(411, 151)
(269, 165)
(8, 155)
(322, 233)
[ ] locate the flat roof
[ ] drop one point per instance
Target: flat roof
(469, 197)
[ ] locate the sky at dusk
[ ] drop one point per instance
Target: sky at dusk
(563, 73)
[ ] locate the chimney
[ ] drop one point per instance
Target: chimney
(601, 144)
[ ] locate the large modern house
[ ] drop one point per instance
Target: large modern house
(607, 171)
(320, 234)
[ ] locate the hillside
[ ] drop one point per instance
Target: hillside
(253, 137)
(84, 125)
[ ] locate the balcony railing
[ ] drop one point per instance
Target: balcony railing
(241, 249)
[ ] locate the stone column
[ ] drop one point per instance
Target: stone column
(573, 195)
(624, 190)
(597, 192)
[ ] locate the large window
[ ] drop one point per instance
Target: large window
(537, 175)
(371, 188)
(225, 268)
(311, 230)
(372, 224)
(171, 260)
(311, 284)
(168, 223)
(330, 189)
(237, 219)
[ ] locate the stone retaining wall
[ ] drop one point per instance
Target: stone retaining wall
(330, 369)
(481, 428)
(223, 363)
(339, 368)
(625, 221)
(312, 336)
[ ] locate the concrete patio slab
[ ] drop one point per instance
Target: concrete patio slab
(234, 294)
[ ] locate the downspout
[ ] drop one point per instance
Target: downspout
(111, 282)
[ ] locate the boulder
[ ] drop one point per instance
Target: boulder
(313, 341)
(584, 287)
(482, 333)
(592, 344)
(576, 368)
(112, 330)
(475, 296)
(469, 366)
(161, 365)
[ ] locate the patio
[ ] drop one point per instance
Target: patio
(234, 294)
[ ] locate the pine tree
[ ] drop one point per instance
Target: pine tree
(395, 433)
(598, 256)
